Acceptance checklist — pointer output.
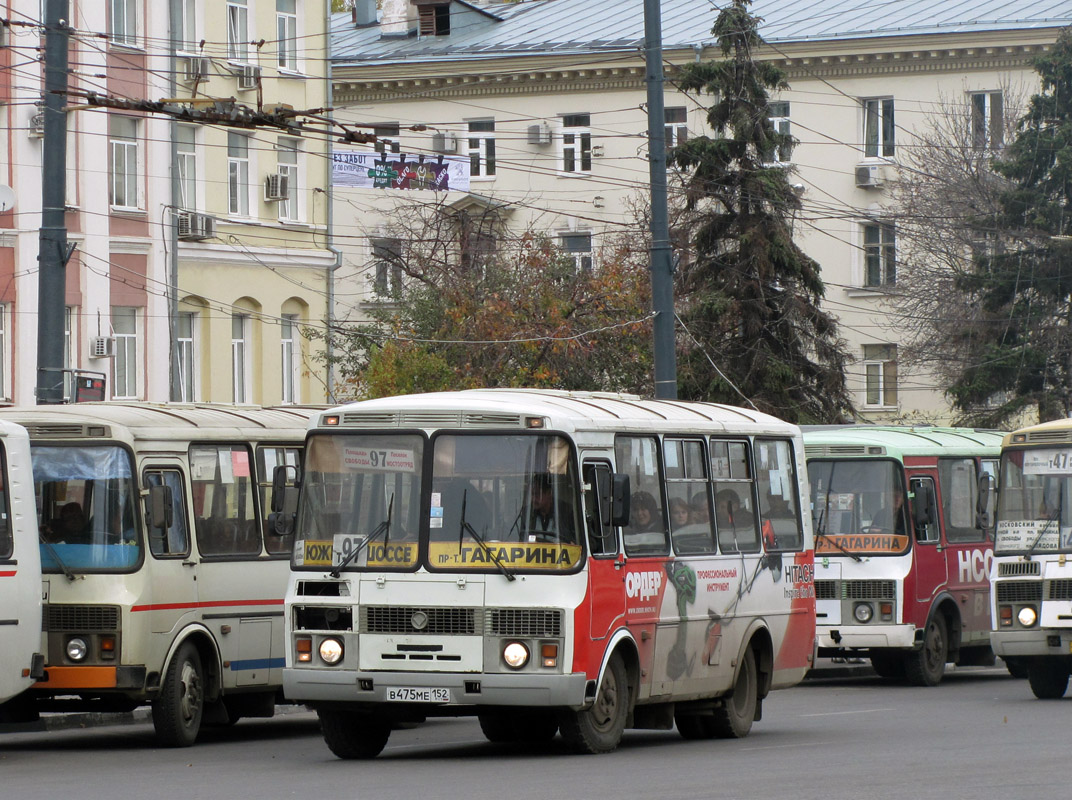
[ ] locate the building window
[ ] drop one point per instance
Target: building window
(287, 159)
(123, 136)
(481, 148)
(477, 248)
(880, 255)
(387, 256)
(238, 174)
(68, 333)
(4, 393)
(576, 143)
(779, 118)
(237, 30)
(288, 327)
(387, 138)
(880, 374)
(286, 16)
(186, 136)
(125, 330)
(240, 357)
(677, 130)
(579, 248)
(878, 128)
(987, 127)
(186, 33)
(433, 20)
(124, 22)
(187, 356)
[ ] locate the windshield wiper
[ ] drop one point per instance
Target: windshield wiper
(384, 528)
(1046, 527)
(819, 532)
(52, 552)
(464, 527)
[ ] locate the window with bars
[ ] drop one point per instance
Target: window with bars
(878, 128)
(433, 19)
(880, 255)
(987, 120)
(482, 148)
(576, 143)
(123, 137)
(880, 375)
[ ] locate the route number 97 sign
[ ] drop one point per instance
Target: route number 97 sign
(374, 460)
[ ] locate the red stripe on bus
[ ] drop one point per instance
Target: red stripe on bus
(8, 574)
(217, 604)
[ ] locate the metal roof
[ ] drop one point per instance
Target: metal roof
(565, 26)
(906, 440)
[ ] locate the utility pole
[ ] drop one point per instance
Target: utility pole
(172, 232)
(54, 252)
(662, 278)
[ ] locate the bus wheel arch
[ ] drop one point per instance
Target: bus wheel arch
(743, 704)
(189, 682)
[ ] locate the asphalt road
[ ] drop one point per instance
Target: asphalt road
(980, 734)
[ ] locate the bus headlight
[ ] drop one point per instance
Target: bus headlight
(77, 649)
(331, 651)
(1027, 616)
(863, 612)
(516, 655)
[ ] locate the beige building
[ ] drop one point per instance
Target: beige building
(545, 99)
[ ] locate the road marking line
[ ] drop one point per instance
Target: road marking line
(841, 713)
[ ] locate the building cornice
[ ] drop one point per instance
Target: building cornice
(274, 257)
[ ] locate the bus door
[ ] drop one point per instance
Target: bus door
(172, 565)
(928, 551)
(605, 563)
(969, 550)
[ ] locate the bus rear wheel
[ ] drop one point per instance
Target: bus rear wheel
(733, 719)
(599, 728)
(352, 735)
(926, 666)
(1048, 678)
(519, 726)
(177, 711)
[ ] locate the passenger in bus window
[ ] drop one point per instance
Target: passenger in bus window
(643, 512)
(679, 513)
(729, 512)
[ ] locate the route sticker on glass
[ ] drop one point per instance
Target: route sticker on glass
(1051, 461)
(436, 515)
(343, 545)
(389, 459)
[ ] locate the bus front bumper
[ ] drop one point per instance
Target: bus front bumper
(466, 689)
(865, 637)
(1034, 642)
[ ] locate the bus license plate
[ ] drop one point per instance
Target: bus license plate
(418, 694)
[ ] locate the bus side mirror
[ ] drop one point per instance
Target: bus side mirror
(161, 507)
(924, 512)
(282, 492)
(619, 499)
(982, 503)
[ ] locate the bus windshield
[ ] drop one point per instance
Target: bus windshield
(87, 507)
(858, 507)
(1035, 502)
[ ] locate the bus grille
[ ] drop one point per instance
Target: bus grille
(429, 419)
(80, 618)
(1007, 569)
(868, 590)
(413, 620)
(826, 590)
(1018, 591)
(524, 622)
(1060, 589)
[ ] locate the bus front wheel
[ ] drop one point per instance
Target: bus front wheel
(351, 735)
(1048, 678)
(599, 728)
(926, 666)
(177, 711)
(733, 719)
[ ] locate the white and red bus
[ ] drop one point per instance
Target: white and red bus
(163, 580)
(1032, 573)
(903, 545)
(547, 561)
(21, 660)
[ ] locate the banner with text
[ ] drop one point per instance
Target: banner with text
(374, 170)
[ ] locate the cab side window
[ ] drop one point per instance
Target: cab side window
(776, 482)
(638, 457)
(175, 541)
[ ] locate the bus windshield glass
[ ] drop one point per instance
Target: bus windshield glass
(87, 505)
(858, 507)
(505, 502)
(360, 502)
(1035, 502)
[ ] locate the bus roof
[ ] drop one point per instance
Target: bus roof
(896, 440)
(504, 408)
(1056, 431)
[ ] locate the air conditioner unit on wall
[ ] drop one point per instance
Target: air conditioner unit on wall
(445, 142)
(870, 176)
(102, 347)
(276, 186)
(195, 227)
(195, 68)
(249, 77)
(540, 134)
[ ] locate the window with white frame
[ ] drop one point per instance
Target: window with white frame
(576, 143)
(481, 148)
(123, 25)
(237, 30)
(123, 137)
(880, 375)
(387, 257)
(778, 113)
(878, 127)
(186, 136)
(238, 174)
(677, 128)
(186, 346)
(579, 247)
(288, 344)
(287, 151)
(125, 363)
(387, 138)
(186, 33)
(987, 120)
(880, 255)
(68, 333)
(286, 17)
(240, 357)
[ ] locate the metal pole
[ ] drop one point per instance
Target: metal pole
(662, 279)
(52, 253)
(172, 230)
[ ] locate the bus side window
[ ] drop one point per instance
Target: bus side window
(225, 517)
(638, 457)
(602, 539)
(776, 480)
(175, 541)
(924, 507)
(268, 458)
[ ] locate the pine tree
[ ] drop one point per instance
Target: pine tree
(751, 296)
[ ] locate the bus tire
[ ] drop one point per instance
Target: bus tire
(1048, 678)
(888, 664)
(351, 735)
(519, 726)
(1016, 667)
(733, 719)
(694, 727)
(926, 666)
(178, 710)
(599, 728)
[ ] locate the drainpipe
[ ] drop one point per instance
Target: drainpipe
(329, 341)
